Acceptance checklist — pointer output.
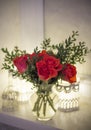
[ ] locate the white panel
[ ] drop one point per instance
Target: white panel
(31, 23)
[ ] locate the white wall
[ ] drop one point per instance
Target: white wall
(31, 23)
(64, 16)
(21, 24)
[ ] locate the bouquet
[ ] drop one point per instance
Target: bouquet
(46, 66)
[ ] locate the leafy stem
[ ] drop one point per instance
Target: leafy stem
(42, 103)
(68, 51)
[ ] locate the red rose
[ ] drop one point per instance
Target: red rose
(48, 67)
(21, 63)
(42, 54)
(69, 73)
(38, 56)
(53, 62)
(33, 55)
(44, 72)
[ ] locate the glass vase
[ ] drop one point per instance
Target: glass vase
(69, 96)
(44, 103)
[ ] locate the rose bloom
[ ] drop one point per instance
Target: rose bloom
(32, 55)
(48, 67)
(53, 62)
(38, 56)
(69, 73)
(42, 54)
(44, 72)
(21, 63)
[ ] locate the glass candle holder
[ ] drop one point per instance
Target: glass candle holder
(9, 99)
(24, 90)
(69, 96)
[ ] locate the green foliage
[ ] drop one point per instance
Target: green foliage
(46, 44)
(68, 51)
